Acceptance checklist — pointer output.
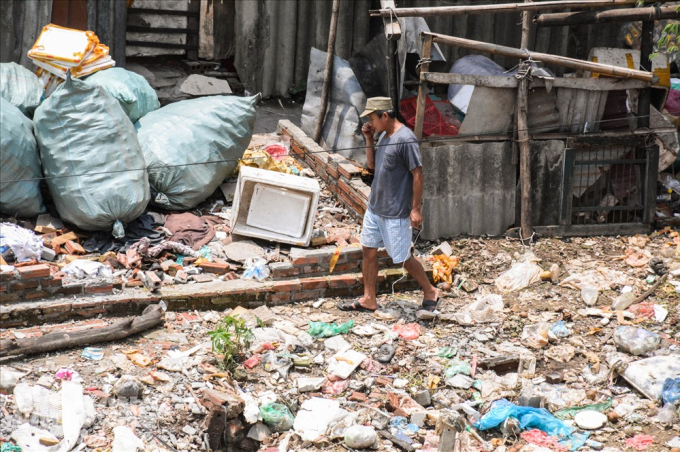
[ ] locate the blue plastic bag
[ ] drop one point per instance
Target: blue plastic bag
(529, 418)
(559, 329)
(670, 391)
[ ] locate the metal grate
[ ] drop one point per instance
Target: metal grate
(609, 184)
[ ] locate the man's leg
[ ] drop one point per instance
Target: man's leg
(369, 269)
(417, 272)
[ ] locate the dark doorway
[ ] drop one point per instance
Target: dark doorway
(70, 13)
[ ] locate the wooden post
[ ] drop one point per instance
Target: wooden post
(328, 72)
(610, 16)
(573, 63)
(524, 155)
(393, 34)
(422, 94)
(392, 27)
(646, 47)
(506, 7)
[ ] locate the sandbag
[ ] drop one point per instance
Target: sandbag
(186, 135)
(18, 161)
(20, 87)
(91, 157)
(132, 90)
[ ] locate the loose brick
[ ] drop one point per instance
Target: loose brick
(106, 288)
(314, 283)
(34, 271)
(342, 280)
(348, 170)
(287, 286)
(215, 267)
(133, 283)
(358, 397)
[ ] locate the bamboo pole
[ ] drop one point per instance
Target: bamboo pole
(328, 72)
(572, 63)
(522, 123)
(422, 94)
(505, 8)
(601, 17)
(646, 48)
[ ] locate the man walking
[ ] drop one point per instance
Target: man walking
(394, 208)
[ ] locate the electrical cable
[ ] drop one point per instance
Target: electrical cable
(430, 140)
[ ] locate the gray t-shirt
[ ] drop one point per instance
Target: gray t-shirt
(392, 189)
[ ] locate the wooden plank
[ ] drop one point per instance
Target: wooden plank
(161, 30)
(328, 72)
(494, 81)
(505, 8)
(611, 16)
(573, 63)
(524, 156)
(646, 48)
(162, 45)
(392, 27)
(206, 31)
(118, 33)
(163, 12)
(422, 89)
(584, 230)
(193, 24)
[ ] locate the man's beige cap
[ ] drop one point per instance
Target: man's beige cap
(377, 104)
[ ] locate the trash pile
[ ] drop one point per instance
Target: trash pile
(507, 363)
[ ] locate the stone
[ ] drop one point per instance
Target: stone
(189, 430)
(418, 418)
(423, 398)
(242, 250)
(460, 381)
(200, 85)
(400, 383)
(590, 419)
(9, 377)
(259, 432)
(360, 437)
(128, 387)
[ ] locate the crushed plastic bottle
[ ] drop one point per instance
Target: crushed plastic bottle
(666, 415)
(670, 391)
(323, 329)
(256, 269)
(277, 417)
(623, 301)
(23, 397)
(636, 341)
(277, 363)
(536, 336)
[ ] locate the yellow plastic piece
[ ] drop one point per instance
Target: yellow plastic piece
(66, 45)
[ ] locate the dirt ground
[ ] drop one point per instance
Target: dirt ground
(169, 399)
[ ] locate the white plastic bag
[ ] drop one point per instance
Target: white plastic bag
(521, 274)
(83, 268)
(24, 243)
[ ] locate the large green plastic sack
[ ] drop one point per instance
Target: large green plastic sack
(132, 90)
(20, 87)
(190, 147)
(18, 162)
(91, 157)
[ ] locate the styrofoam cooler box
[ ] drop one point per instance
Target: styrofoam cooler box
(274, 206)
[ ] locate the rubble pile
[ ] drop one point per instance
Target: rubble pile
(533, 365)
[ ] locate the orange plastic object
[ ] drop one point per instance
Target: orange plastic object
(66, 45)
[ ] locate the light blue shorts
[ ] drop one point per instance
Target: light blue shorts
(392, 233)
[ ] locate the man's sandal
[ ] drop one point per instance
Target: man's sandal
(430, 305)
(353, 306)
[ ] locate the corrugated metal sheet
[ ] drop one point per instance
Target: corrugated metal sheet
(580, 110)
(20, 25)
(469, 189)
(547, 181)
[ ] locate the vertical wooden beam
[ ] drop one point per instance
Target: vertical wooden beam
(118, 33)
(193, 25)
(392, 27)
(393, 34)
(526, 228)
(422, 94)
(328, 72)
(646, 48)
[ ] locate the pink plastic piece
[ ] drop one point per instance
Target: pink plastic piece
(252, 361)
(640, 442)
(540, 438)
(407, 330)
(277, 151)
(64, 374)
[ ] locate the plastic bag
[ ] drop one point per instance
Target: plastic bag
(640, 442)
(132, 91)
(456, 367)
(636, 341)
(25, 245)
(190, 147)
(528, 417)
(323, 329)
(408, 331)
(256, 269)
(277, 417)
(521, 274)
(559, 329)
(20, 170)
(21, 88)
(360, 437)
(535, 336)
(82, 268)
(91, 157)
(670, 391)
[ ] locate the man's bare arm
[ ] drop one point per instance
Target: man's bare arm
(416, 210)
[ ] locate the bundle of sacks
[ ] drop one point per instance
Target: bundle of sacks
(106, 149)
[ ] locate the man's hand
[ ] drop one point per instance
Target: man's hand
(369, 131)
(416, 218)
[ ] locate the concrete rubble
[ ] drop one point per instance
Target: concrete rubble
(542, 371)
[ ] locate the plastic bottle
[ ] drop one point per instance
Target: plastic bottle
(622, 302)
(667, 415)
(277, 417)
(636, 341)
